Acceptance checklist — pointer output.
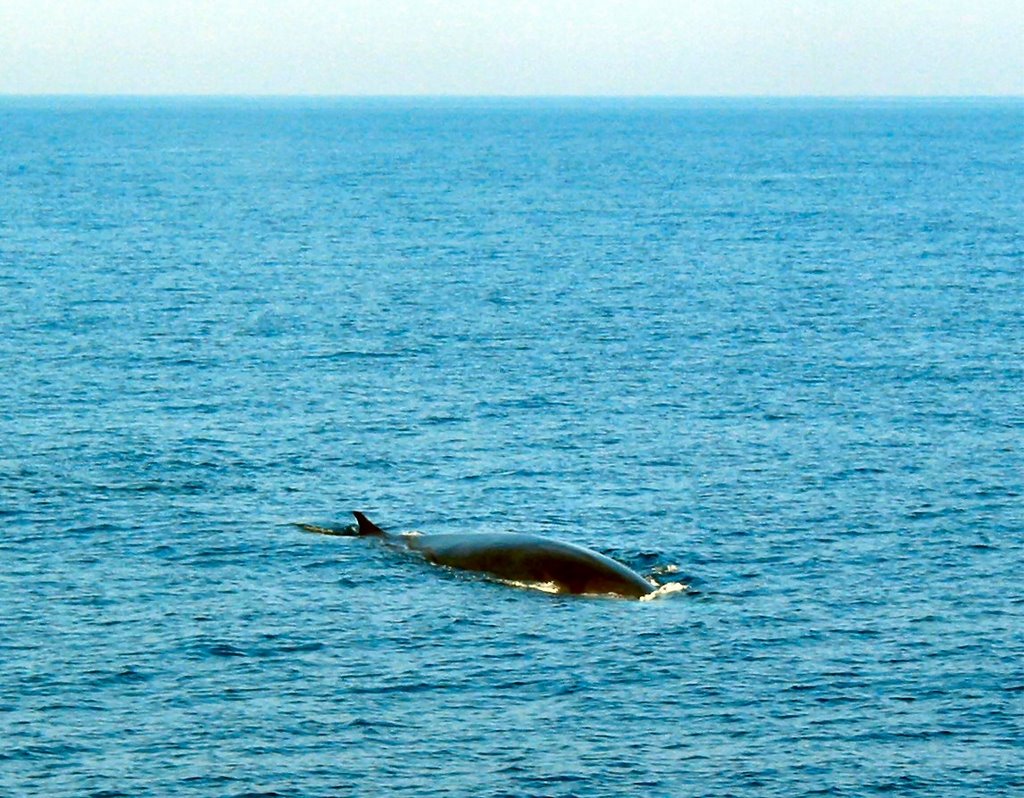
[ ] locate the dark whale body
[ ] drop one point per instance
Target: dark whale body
(528, 559)
(533, 559)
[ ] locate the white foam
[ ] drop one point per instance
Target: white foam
(543, 587)
(665, 590)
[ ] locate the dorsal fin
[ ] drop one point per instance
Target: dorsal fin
(366, 526)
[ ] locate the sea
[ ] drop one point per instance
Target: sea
(771, 350)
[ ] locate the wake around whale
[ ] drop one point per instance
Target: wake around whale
(529, 560)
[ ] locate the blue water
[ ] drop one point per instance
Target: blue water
(777, 344)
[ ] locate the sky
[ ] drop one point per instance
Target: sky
(513, 47)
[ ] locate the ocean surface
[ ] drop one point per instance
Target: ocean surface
(778, 345)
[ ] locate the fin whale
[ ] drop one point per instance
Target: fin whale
(521, 558)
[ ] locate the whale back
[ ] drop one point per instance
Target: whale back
(533, 559)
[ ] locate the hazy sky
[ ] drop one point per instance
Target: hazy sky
(702, 47)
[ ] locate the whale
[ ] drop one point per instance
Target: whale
(518, 558)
